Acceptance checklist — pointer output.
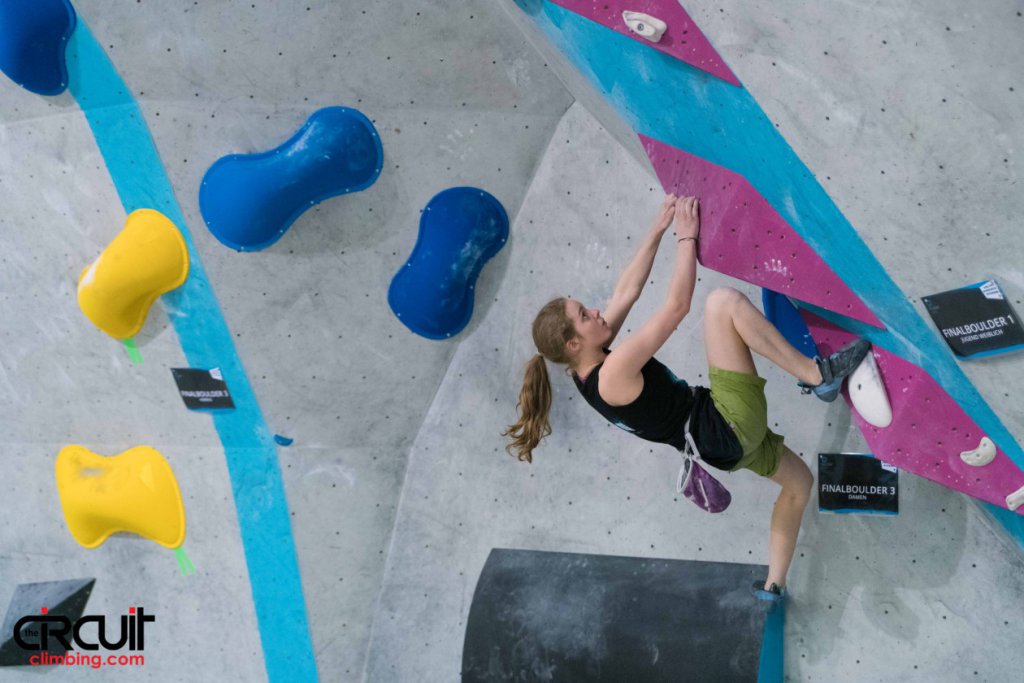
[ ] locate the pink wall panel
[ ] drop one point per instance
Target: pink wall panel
(929, 430)
(743, 236)
(682, 39)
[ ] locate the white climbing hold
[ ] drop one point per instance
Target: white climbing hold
(867, 393)
(1015, 499)
(982, 455)
(645, 25)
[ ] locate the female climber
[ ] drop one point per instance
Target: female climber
(630, 388)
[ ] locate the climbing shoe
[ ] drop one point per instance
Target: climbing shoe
(772, 593)
(835, 368)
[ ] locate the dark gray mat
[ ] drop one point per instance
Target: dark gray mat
(546, 616)
(61, 598)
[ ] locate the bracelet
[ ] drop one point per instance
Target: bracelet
(683, 239)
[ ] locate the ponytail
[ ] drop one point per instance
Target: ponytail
(552, 328)
(534, 406)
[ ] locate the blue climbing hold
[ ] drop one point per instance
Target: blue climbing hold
(787, 320)
(33, 38)
(461, 229)
(250, 200)
(283, 440)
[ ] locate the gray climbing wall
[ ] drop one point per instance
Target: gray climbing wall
(457, 102)
(870, 596)
(397, 481)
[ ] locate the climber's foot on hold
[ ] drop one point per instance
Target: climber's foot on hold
(771, 593)
(835, 368)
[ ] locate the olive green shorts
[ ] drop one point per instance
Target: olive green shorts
(739, 398)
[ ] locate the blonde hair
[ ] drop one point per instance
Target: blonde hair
(552, 328)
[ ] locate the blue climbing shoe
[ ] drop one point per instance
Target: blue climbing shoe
(835, 368)
(771, 594)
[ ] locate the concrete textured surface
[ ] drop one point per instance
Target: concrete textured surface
(330, 364)
(397, 481)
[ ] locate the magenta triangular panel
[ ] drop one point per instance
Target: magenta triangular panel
(682, 39)
(929, 429)
(743, 236)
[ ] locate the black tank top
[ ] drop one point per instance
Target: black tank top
(660, 412)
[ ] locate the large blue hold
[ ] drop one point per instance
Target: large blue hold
(33, 39)
(787, 320)
(460, 230)
(250, 200)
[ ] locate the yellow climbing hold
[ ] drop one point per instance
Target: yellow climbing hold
(148, 258)
(135, 491)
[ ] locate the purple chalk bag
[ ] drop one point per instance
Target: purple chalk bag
(697, 484)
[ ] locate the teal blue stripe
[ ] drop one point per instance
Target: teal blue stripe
(138, 174)
(771, 665)
(687, 108)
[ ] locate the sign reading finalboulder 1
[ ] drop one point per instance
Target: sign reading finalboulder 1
(976, 320)
(857, 483)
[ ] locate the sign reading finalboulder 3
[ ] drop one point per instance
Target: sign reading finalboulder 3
(202, 389)
(56, 640)
(857, 483)
(976, 320)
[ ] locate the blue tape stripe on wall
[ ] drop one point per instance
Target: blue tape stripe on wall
(724, 125)
(138, 174)
(771, 665)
